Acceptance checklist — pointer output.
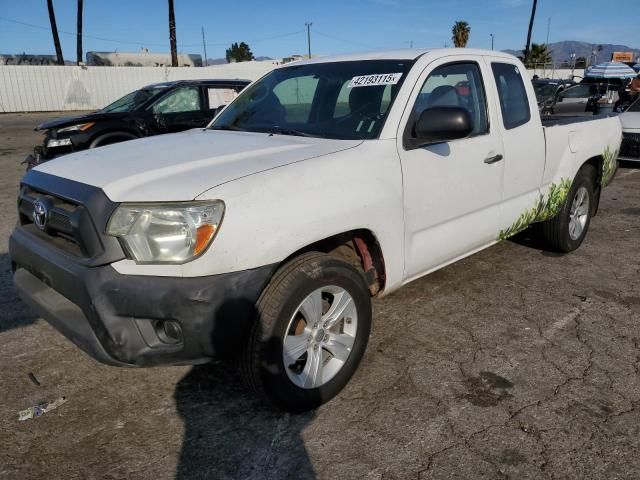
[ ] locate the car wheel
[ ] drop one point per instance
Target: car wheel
(312, 329)
(566, 231)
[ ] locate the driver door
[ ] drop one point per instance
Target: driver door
(180, 109)
(452, 190)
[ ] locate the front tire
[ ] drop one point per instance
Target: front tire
(313, 325)
(567, 230)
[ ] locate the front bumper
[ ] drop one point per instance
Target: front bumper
(118, 319)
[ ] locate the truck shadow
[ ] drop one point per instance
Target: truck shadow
(230, 434)
(532, 238)
(13, 312)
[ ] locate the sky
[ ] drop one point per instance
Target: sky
(276, 28)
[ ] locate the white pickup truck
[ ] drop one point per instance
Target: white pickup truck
(264, 236)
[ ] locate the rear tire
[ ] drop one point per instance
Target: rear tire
(299, 356)
(567, 230)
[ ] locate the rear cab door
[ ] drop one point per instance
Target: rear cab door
(523, 143)
(452, 190)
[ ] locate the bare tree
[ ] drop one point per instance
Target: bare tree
(528, 45)
(172, 35)
(79, 33)
(54, 32)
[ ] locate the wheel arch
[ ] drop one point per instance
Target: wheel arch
(112, 133)
(359, 247)
(597, 162)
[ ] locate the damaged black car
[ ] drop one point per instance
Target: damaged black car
(155, 109)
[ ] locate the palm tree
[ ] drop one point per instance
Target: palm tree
(538, 54)
(528, 45)
(460, 34)
(54, 32)
(172, 35)
(79, 33)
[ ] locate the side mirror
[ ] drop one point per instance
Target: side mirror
(441, 124)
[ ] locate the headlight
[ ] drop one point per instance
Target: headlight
(166, 233)
(81, 127)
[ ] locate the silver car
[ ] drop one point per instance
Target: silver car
(630, 119)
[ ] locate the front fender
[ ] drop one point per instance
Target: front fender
(272, 214)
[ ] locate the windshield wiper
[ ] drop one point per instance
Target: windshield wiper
(290, 131)
(227, 127)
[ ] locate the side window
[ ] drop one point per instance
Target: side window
(219, 96)
(514, 102)
(579, 91)
(185, 99)
(456, 85)
(296, 96)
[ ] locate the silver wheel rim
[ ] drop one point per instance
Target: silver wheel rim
(320, 336)
(579, 213)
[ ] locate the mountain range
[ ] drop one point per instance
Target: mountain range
(561, 51)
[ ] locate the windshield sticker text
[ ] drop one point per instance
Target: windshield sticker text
(376, 79)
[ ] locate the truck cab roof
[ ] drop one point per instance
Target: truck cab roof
(403, 54)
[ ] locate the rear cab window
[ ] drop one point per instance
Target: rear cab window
(514, 102)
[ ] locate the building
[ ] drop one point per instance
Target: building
(26, 59)
(141, 59)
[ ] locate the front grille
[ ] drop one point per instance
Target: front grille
(630, 147)
(63, 227)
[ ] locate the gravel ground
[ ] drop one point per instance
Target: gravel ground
(513, 363)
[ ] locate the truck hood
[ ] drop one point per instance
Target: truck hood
(178, 167)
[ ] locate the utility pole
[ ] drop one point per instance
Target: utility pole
(79, 33)
(204, 45)
(548, 28)
(172, 35)
(573, 63)
(54, 32)
(492, 37)
(308, 25)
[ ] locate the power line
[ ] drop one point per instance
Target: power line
(357, 44)
(130, 42)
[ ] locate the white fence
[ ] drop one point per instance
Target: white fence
(56, 88)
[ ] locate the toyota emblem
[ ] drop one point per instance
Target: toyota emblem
(40, 214)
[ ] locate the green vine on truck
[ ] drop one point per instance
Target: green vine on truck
(609, 158)
(544, 209)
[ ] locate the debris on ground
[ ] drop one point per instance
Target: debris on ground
(40, 409)
(33, 379)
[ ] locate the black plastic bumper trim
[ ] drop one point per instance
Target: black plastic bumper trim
(108, 314)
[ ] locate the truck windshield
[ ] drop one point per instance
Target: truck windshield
(544, 90)
(634, 107)
(338, 100)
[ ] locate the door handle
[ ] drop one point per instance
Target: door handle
(494, 159)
